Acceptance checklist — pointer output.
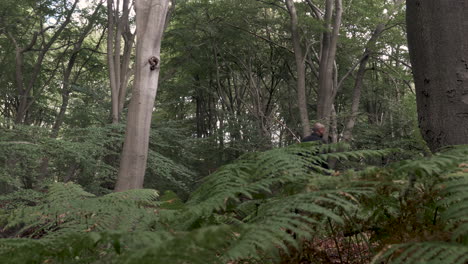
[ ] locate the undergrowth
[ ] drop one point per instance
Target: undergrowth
(279, 206)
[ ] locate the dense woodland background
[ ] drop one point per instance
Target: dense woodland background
(240, 82)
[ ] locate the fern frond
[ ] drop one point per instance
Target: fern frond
(240, 213)
(456, 201)
(452, 167)
(274, 222)
(437, 165)
(424, 253)
(69, 208)
(63, 192)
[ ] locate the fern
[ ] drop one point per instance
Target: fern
(68, 208)
(456, 201)
(302, 214)
(452, 169)
(425, 253)
(259, 173)
(244, 212)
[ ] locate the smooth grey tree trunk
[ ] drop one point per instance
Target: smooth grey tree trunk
(332, 25)
(150, 22)
(300, 67)
(326, 89)
(438, 46)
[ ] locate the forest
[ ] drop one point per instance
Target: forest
(233, 131)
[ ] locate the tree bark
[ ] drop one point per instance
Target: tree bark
(326, 89)
(438, 47)
(300, 67)
(118, 68)
(150, 22)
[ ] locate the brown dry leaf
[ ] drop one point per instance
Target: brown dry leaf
(91, 228)
(171, 201)
(349, 196)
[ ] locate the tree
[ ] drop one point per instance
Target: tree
(41, 42)
(369, 50)
(119, 68)
(150, 22)
(300, 67)
(69, 79)
(326, 88)
(439, 55)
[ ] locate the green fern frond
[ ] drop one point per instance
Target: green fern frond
(456, 201)
(424, 253)
(64, 192)
(69, 208)
(20, 198)
(240, 213)
(359, 154)
(437, 165)
(204, 245)
(451, 166)
(274, 222)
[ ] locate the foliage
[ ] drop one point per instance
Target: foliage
(241, 212)
(85, 156)
(450, 244)
(226, 95)
(262, 207)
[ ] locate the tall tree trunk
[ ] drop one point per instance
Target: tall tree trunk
(300, 67)
(150, 22)
(326, 89)
(110, 61)
(438, 46)
(118, 68)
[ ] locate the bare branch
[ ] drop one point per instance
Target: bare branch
(260, 37)
(318, 13)
(17, 142)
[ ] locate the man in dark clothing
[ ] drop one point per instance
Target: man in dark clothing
(318, 130)
(317, 133)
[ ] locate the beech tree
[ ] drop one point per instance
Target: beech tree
(150, 23)
(439, 55)
(300, 67)
(326, 88)
(118, 61)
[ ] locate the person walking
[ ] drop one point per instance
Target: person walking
(318, 130)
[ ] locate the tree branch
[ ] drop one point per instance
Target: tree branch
(260, 37)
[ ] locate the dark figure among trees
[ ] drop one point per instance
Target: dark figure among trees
(318, 131)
